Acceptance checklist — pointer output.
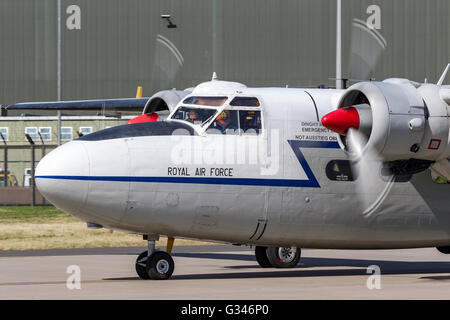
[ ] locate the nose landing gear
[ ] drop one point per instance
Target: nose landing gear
(160, 266)
(141, 266)
(154, 264)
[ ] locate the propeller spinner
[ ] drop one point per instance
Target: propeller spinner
(341, 120)
(353, 117)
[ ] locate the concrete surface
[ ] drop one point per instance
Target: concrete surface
(223, 272)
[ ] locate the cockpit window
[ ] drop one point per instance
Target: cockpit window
(206, 101)
(245, 102)
(250, 121)
(225, 123)
(237, 122)
(196, 116)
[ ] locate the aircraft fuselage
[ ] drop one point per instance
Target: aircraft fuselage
(287, 186)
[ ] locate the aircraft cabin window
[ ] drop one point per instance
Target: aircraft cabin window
(245, 102)
(340, 170)
(206, 101)
(194, 115)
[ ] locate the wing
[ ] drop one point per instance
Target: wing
(128, 104)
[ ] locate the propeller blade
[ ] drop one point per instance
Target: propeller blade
(372, 190)
(168, 62)
(367, 47)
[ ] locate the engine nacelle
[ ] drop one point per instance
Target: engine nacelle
(400, 119)
(165, 100)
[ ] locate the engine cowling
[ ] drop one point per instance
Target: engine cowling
(400, 119)
(165, 101)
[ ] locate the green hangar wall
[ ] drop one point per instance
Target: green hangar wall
(109, 47)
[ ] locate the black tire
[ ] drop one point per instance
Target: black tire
(261, 257)
(280, 257)
(160, 266)
(141, 266)
(445, 250)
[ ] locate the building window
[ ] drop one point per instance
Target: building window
(32, 132)
(85, 130)
(46, 133)
(4, 131)
(66, 133)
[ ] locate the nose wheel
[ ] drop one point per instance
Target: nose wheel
(155, 265)
(160, 266)
(261, 257)
(141, 266)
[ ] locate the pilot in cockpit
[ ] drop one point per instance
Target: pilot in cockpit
(194, 117)
(224, 122)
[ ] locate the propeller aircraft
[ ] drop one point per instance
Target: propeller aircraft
(279, 169)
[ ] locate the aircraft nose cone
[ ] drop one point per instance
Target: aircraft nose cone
(58, 176)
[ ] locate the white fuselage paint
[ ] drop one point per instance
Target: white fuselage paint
(133, 184)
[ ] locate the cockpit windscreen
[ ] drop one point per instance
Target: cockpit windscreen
(197, 116)
(206, 101)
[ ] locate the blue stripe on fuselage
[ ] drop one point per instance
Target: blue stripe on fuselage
(296, 145)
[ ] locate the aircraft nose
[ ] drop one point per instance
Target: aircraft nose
(59, 176)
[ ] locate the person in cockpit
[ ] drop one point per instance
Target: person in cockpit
(194, 117)
(224, 122)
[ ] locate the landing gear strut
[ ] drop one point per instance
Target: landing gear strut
(154, 264)
(277, 257)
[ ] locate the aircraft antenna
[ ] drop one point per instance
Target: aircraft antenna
(441, 80)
